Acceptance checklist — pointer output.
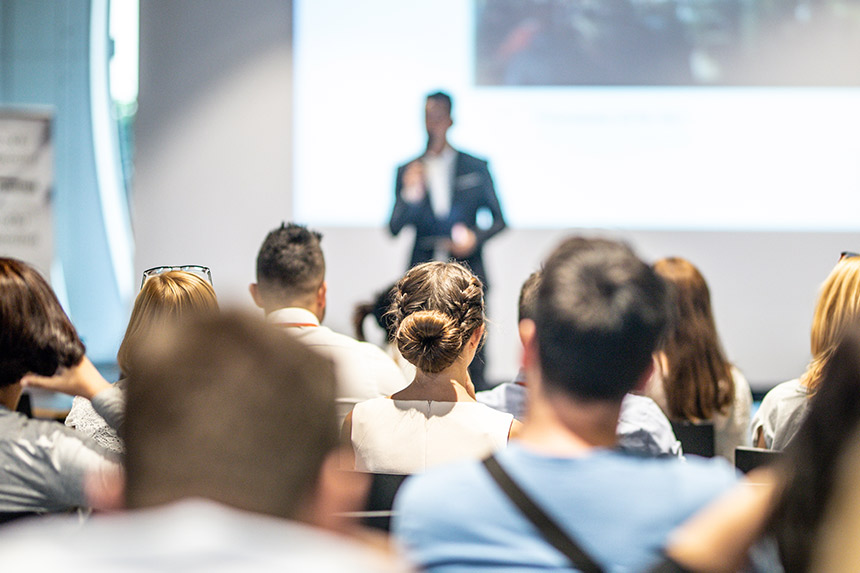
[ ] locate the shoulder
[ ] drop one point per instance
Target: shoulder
(369, 409)
(403, 165)
(467, 160)
(692, 482)
(436, 495)
(781, 394)
(159, 537)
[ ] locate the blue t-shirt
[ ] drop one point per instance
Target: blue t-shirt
(620, 509)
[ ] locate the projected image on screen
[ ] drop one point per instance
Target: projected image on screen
(739, 115)
(667, 42)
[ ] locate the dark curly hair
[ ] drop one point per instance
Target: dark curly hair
(435, 309)
(290, 261)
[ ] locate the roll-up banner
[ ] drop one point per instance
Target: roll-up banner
(26, 186)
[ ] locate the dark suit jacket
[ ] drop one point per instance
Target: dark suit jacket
(473, 190)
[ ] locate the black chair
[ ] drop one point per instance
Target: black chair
(383, 488)
(748, 459)
(697, 438)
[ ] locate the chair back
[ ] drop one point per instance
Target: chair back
(747, 459)
(697, 438)
(383, 488)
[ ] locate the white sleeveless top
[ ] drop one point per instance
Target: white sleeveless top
(409, 436)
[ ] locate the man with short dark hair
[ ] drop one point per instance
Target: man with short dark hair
(642, 426)
(291, 289)
(600, 312)
(231, 436)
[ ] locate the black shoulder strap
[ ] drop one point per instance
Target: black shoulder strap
(545, 524)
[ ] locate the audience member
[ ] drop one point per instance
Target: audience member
(230, 434)
(782, 411)
(378, 308)
(600, 314)
(813, 454)
(805, 502)
(291, 289)
(438, 314)
(164, 296)
(44, 464)
(693, 381)
(642, 426)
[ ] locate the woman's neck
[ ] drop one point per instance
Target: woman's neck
(452, 384)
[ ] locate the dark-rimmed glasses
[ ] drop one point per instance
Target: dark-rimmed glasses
(201, 271)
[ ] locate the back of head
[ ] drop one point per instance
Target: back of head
(230, 409)
(698, 383)
(290, 264)
(812, 456)
(172, 295)
(600, 313)
(435, 309)
(527, 307)
(838, 306)
(35, 333)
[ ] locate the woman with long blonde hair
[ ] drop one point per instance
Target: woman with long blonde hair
(164, 296)
(783, 409)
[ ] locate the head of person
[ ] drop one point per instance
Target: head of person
(838, 306)
(437, 312)
(172, 295)
(527, 303)
(35, 333)
(811, 460)
(600, 314)
(228, 408)
(378, 307)
(291, 271)
(698, 383)
(437, 115)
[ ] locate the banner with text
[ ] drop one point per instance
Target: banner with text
(26, 187)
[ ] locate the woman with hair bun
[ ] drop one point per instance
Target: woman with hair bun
(437, 313)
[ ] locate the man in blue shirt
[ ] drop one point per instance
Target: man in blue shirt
(600, 314)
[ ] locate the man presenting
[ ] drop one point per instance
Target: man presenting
(441, 192)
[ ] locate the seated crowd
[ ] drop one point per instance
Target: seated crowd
(218, 447)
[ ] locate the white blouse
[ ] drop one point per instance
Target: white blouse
(408, 436)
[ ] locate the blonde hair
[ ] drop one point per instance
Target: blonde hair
(166, 296)
(838, 307)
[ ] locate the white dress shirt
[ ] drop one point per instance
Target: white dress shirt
(363, 370)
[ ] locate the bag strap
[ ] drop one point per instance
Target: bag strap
(545, 524)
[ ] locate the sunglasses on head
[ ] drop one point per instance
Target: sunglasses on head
(201, 271)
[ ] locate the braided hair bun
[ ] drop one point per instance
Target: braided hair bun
(435, 309)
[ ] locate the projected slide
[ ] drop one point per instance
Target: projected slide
(664, 42)
(739, 117)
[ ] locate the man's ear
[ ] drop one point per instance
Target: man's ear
(321, 296)
(255, 294)
(528, 336)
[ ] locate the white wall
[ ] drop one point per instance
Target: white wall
(213, 176)
(213, 154)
